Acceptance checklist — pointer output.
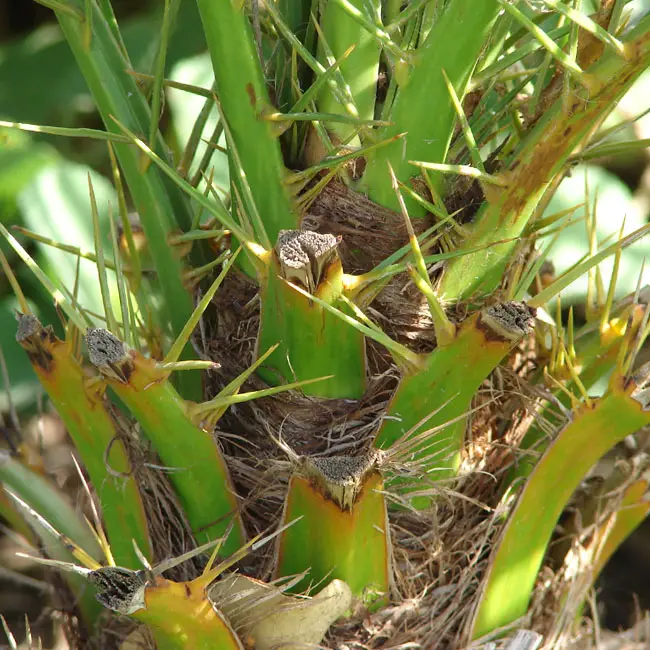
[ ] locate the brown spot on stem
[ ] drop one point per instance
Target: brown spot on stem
(250, 91)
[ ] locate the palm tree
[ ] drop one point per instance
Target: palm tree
(337, 409)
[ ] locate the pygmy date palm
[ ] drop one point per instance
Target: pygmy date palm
(335, 402)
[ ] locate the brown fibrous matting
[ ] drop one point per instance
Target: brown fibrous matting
(439, 555)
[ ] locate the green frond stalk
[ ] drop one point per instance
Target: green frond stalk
(516, 560)
(603, 512)
(340, 31)
(179, 614)
(423, 108)
(446, 384)
(181, 618)
(245, 102)
(196, 467)
(542, 155)
(342, 528)
(228, 612)
(96, 436)
(306, 333)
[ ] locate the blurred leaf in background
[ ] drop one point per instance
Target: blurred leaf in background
(33, 62)
(21, 158)
(613, 204)
(56, 205)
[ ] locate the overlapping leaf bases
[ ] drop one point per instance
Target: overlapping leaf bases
(328, 404)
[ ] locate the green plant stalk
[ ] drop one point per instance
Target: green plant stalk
(244, 101)
(93, 431)
(45, 498)
(596, 355)
(423, 107)
(205, 612)
(360, 69)
(332, 542)
(313, 342)
(160, 205)
(518, 555)
(197, 469)
(181, 617)
(599, 536)
(441, 391)
(541, 156)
